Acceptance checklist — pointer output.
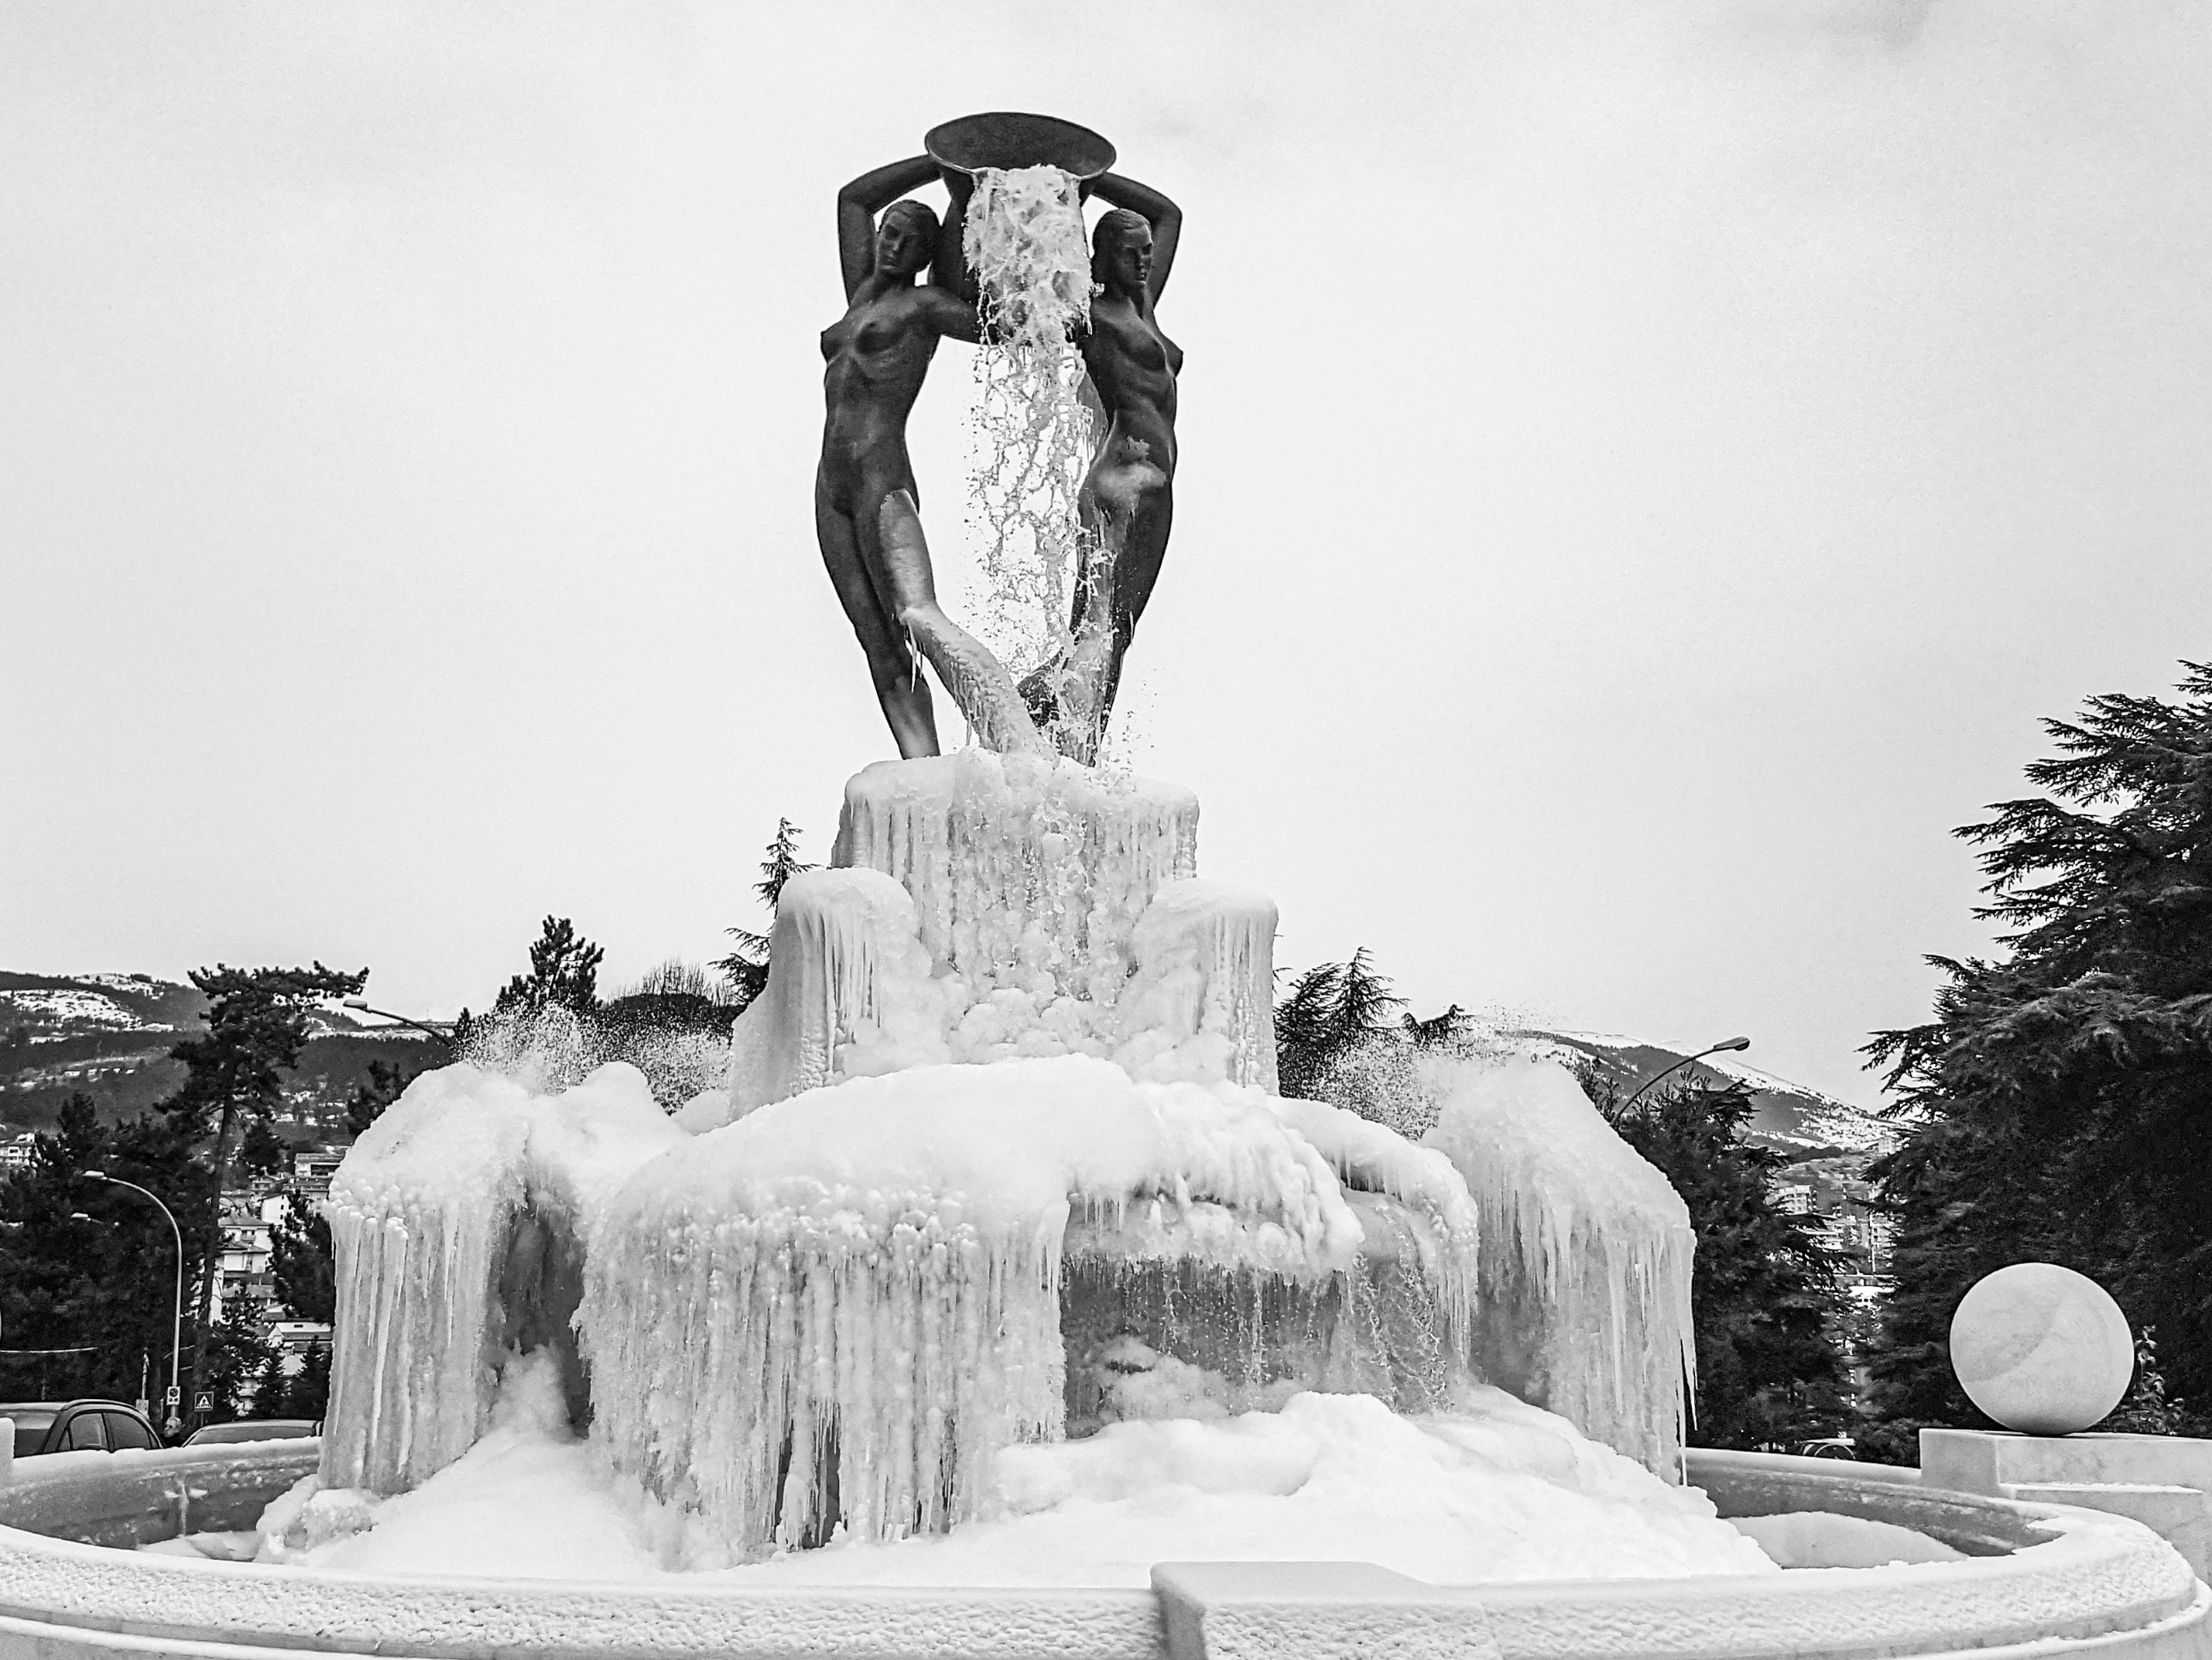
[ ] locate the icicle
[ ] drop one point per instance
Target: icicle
(417, 1211)
(1026, 875)
(849, 1367)
(849, 991)
(866, 1281)
(447, 1216)
(1200, 1004)
(1585, 1270)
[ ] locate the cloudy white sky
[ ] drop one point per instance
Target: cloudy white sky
(1647, 468)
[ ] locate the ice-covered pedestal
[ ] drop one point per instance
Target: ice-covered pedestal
(999, 1161)
(988, 907)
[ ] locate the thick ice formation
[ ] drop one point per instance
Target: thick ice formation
(990, 908)
(1199, 1001)
(880, 1264)
(459, 1221)
(1154, 1328)
(1585, 1274)
(1025, 875)
(419, 1212)
(999, 1163)
(851, 991)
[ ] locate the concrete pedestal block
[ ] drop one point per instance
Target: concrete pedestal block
(2164, 1481)
(1314, 1611)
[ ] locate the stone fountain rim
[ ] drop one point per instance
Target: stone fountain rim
(2095, 1577)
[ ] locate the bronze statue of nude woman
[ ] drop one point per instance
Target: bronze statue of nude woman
(866, 513)
(1128, 500)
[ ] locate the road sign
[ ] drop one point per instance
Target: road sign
(172, 1395)
(204, 1404)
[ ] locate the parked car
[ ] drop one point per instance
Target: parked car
(1830, 1446)
(254, 1429)
(77, 1426)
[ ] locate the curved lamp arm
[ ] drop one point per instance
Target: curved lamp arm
(1725, 1043)
(177, 1317)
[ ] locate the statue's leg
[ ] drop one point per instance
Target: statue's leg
(1080, 729)
(900, 688)
(1127, 495)
(979, 682)
(1136, 568)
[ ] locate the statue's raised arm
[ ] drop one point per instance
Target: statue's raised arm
(858, 203)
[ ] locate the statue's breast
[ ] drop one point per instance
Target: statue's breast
(1129, 343)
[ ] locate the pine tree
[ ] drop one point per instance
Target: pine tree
(1438, 1029)
(564, 973)
(262, 1151)
(1768, 1367)
(308, 1391)
(1331, 1013)
(2149, 1409)
(105, 1286)
(233, 1367)
(746, 966)
(265, 1389)
(301, 1263)
(386, 1082)
(2059, 1104)
(257, 1024)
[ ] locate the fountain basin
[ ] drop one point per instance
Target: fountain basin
(2092, 1585)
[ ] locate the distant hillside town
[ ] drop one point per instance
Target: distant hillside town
(108, 1036)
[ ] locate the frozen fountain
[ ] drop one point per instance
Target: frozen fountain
(1000, 1162)
(996, 1303)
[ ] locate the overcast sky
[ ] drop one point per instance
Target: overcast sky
(1647, 469)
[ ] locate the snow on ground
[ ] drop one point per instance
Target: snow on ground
(1823, 1539)
(1500, 1491)
(69, 1005)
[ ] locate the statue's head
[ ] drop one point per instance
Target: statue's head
(906, 241)
(1121, 250)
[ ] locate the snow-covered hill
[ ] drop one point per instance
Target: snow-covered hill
(1798, 1122)
(108, 1036)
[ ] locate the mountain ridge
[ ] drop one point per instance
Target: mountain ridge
(1797, 1122)
(108, 1036)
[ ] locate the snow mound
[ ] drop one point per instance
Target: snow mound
(1496, 1492)
(1823, 1539)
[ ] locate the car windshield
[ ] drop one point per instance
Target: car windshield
(267, 1429)
(32, 1424)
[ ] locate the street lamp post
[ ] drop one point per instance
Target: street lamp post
(1725, 1043)
(443, 1034)
(177, 1321)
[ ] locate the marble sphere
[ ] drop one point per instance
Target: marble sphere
(2042, 1349)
